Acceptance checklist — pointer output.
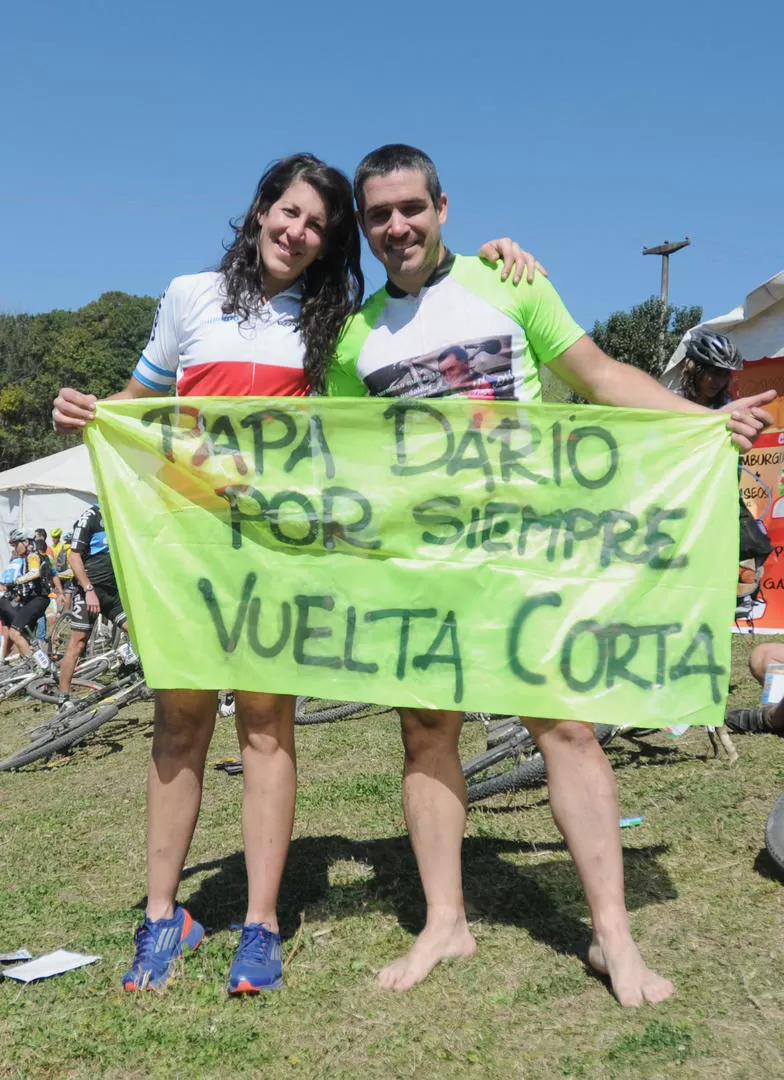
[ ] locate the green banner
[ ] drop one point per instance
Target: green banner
(560, 561)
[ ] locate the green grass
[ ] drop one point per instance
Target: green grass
(705, 908)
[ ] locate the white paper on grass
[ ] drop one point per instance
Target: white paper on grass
(54, 963)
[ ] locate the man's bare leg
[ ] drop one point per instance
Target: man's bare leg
(434, 807)
(184, 722)
(265, 727)
(23, 646)
(584, 802)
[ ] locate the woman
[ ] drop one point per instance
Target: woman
(265, 323)
(708, 365)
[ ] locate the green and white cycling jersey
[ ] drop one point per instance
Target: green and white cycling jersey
(466, 333)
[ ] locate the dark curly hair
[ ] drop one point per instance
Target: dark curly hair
(332, 286)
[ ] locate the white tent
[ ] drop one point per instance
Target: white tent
(43, 494)
(756, 327)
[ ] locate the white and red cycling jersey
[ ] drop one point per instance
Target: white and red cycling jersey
(205, 352)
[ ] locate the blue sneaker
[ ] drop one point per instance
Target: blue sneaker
(257, 963)
(159, 944)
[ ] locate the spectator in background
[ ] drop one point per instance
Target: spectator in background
(57, 543)
(62, 564)
(50, 614)
(708, 366)
(760, 719)
(27, 593)
(40, 534)
(707, 369)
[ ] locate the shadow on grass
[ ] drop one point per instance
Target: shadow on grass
(636, 752)
(112, 737)
(766, 867)
(545, 899)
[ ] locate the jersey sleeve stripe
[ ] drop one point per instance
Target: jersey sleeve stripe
(154, 367)
(153, 384)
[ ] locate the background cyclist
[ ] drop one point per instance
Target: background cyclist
(62, 564)
(96, 592)
(27, 593)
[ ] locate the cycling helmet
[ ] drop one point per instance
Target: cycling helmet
(67, 537)
(17, 535)
(713, 350)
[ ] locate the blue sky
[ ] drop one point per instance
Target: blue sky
(131, 134)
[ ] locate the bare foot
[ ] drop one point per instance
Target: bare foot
(633, 983)
(446, 941)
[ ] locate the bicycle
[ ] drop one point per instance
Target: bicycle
(310, 710)
(513, 762)
(43, 685)
(73, 723)
(104, 636)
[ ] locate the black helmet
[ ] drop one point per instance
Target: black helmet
(713, 350)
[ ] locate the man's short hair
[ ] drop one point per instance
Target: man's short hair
(454, 350)
(391, 158)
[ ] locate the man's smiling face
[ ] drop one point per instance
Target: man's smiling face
(403, 227)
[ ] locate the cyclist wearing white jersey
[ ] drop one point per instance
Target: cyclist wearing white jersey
(263, 323)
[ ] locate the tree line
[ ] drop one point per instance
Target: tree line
(96, 349)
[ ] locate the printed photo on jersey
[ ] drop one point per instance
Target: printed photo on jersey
(479, 369)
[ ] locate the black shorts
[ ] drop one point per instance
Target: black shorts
(111, 609)
(20, 617)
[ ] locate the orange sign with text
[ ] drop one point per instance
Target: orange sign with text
(762, 488)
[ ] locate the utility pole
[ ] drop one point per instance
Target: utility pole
(665, 250)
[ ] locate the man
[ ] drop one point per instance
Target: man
(57, 542)
(95, 589)
(26, 597)
(97, 592)
(432, 302)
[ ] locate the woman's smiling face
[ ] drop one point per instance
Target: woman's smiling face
(293, 235)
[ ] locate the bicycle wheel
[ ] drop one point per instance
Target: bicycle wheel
(61, 634)
(317, 711)
(517, 742)
(78, 727)
(774, 834)
(514, 765)
(104, 637)
(46, 689)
